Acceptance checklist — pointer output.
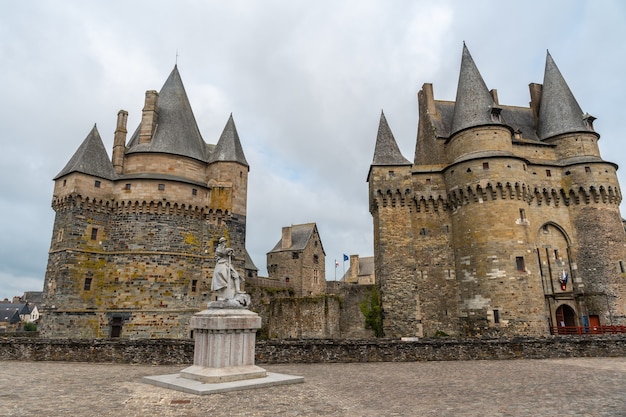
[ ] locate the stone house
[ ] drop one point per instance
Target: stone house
(132, 248)
(298, 259)
(507, 221)
(360, 271)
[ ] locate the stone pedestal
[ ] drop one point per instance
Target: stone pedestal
(224, 346)
(223, 358)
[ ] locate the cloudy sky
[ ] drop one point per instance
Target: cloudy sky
(305, 81)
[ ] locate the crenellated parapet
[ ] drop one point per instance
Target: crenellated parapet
(420, 202)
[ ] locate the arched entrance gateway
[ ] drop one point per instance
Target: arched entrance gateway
(565, 317)
(555, 266)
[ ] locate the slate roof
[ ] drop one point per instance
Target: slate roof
(228, 148)
(300, 236)
(386, 151)
(473, 99)
(518, 118)
(177, 131)
(10, 312)
(90, 158)
(559, 111)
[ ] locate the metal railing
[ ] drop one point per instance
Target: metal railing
(584, 330)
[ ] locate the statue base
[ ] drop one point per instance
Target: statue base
(224, 346)
(223, 360)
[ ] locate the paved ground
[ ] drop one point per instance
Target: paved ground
(568, 387)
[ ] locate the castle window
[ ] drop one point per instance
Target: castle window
(588, 170)
(316, 259)
(469, 170)
(392, 174)
(621, 267)
(287, 279)
(519, 263)
(423, 232)
(94, 233)
(194, 191)
(295, 255)
(97, 184)
(447, 228)
(548, 173)
(428, 181)
(485, 165)
(127, 187)
(87, 286)
(60, 235)
(544, 228)
(496, 316)
(161, 187)
(194, 285)
(315, 276)
(556, 254)
(522, 214)
(64, 182)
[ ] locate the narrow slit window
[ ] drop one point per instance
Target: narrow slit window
(522, 214)
(519, 263)
(496, 316)
(621, 267)
(87, 286)
(194, 285)
(94, 233)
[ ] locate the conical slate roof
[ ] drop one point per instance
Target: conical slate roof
(228, 148)
(177, 131)
(90, 158)
(559, 111)
(473, 100)
(387, 151)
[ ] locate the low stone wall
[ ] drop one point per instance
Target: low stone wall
(180, 352)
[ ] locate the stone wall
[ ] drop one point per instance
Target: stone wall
(176, 352)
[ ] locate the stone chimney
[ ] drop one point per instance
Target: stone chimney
(286, 240)
(429, 96)
(119, 142)
(149, 117)
(354, 268)
(535, 100)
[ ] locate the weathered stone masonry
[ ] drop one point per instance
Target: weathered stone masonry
(507, 222)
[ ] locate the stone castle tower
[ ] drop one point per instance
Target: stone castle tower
(132, 248)
(507, 221)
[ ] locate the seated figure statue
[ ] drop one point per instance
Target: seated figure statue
(226, 281)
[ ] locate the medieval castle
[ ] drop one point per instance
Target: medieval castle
(134, 237)
(507, 222)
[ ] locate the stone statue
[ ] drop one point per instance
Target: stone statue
(226, 281)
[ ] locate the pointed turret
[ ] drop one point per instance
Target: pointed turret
(559, 111)
(387, 151)
(228, 148)
(474, 103)
(175, 130)
(90, 158)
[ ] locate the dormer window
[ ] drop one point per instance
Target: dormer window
(496, 113)
(588, 120)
